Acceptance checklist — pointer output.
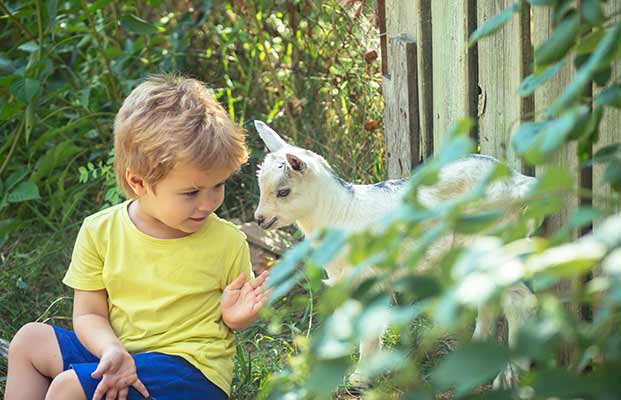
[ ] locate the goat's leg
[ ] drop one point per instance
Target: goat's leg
(486, 323)
(368, 347)
(518, 306)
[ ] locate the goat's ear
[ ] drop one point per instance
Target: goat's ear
(296, 163)
(269, 137)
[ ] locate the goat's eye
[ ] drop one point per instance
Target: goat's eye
(283, 193)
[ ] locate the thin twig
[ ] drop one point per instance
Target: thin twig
(15, 140)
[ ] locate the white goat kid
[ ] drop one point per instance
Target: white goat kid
(299, 186)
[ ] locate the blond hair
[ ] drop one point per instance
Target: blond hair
(168, 120)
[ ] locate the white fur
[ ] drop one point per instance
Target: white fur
(319, 198)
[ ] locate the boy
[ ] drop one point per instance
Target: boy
(159, 280)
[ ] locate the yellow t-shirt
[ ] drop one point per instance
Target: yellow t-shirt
(164, 294)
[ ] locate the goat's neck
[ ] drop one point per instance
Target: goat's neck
(337, 205)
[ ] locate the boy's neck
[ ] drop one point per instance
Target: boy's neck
(147, 224)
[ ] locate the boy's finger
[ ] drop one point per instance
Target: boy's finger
(238, 283)
(111, 394)
(102, 367)
(123, 393)
(138, 385)
(100, 390)
(259, 280)
(259, 305)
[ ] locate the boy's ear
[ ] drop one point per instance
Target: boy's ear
(272, 141)
(296, 163)
(135, 182)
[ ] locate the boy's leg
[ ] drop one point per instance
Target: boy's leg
(34, 358)
(66, 386)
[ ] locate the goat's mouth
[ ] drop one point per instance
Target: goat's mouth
(269, 224)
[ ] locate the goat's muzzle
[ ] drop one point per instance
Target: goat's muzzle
(266, 225)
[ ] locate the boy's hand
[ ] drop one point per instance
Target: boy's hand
(119, 373)
(241, 301)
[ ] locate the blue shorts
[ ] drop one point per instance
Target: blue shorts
(166, 377)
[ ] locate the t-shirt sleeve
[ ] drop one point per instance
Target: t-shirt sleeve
(85, 270)
(241, 263)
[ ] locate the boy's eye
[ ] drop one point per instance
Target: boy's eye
(191, 194)
(220, 185)
(283, 193)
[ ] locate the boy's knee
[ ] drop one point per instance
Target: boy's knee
(27, 337)
(66, 386)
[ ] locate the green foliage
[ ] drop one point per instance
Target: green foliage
(65, 68)
(488, 258)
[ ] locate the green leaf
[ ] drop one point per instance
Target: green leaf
(132, 23)
(331, 243)
(592, 11)
(611, 96)
(98, 5)
(15, 178)
(6, 65)
(543, 2)
(474, 223)
(52, 11)
(113, 52)
(29, 47)
(25, 191)
(58, 155)
(470, 367)
(601, 58)
(533, 81)
(25, 89)
(289, 261)
(537, 141)
(607, 154)
(587, 44)
(559, 42)
(7, 226)
(493, 24)
(554, 178)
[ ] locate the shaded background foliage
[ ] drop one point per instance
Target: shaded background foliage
(306, 67)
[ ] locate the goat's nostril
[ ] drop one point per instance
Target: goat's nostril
(260, 220)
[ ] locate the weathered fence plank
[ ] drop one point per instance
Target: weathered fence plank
(504, 60)
(609, 133)
(454, 68)
(425, 75)
(567, 158)
(401, 111)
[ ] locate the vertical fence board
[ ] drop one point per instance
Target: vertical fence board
(454, 75)
(609, 133)
(401, 18)
(425, 75)
(401, 111)
(503, 63)
(567, 157)
(544, 96)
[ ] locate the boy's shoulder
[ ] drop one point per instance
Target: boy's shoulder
(103, 217)
(228, 229)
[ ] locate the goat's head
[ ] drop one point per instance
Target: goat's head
(287, 180)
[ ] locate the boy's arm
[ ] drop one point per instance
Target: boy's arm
(116, 365)
(91, 322)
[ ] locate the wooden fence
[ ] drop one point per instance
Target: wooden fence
(432, 79)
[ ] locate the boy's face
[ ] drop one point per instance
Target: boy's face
(181, 201)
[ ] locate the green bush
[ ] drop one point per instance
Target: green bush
(65, 67)
(442, 303)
